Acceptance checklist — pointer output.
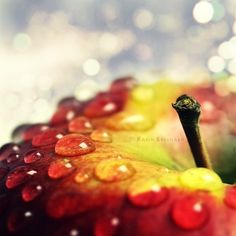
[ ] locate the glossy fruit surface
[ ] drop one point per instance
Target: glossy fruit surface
(120, 165)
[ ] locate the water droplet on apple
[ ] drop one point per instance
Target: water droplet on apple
(114, 170)
(31, 191)
(230, 196)
(33, 156)
(201, 178)
(147, 193)
(14, 157)
(74, 145)
(189, 213)
(82, 176)
(19, 219)
(60, 168)
(18, 176)
(63, 115)
(130, 121)
(106, 226)
(101, 135)
(80, 125)
(103, 104)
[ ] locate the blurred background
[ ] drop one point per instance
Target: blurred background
(52, 49)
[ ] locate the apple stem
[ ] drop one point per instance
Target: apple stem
(189, 111)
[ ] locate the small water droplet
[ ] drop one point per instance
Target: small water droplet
(63, 115)
(83, 176)
(230, 196)
(33, 130)
(19, 219)
(8, 149)
(33, 156)
(60, 168)
(74, 145)
(106, 226)
(14, 157)
(101, 135)
(114, 170)
(17, 177)
(31, 191)
(147, 193)
(189, 213)
(47, 137)
(80, 125)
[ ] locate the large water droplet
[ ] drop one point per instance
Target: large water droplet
(101, 135)
(49, 136)
(103, 104)
(189, 213)
(60, 168)
(114, 170)
(230, 196)
(130, 121)
(32, 156)
(19, 219)
(80, 125)
(147, 193)
(74, 145)
(18, 176)
(31, 191)
(201, 178)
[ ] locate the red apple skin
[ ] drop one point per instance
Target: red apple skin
(43, 197)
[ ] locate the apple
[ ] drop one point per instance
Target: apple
(125, 163)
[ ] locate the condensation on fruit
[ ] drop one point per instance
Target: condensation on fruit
(189, 213)
(201, 178)
(114, 170)
(12, 158)
(47, 137)
(18, 176)
(147, 193)
(33, 156)
(80, 125)
(31, 191)
(60, 168)
(101, 135)
(74, 145)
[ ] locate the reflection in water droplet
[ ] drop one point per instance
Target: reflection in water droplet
(114, 170)
(74, 145)
(14, 157)
(147, 193)
(32, 156)
(74, 232)
(189, 213)
(80, 125)
(101, 135)
(82, 176)
(60, 168)
(31, 191)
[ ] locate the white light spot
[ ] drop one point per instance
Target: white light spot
(59, 136)
(87, 124)
(68, 165)
(208, 106)
(32, 172)
(203, 12)
(232, 67)
(74, 232)
(21, 42)
(28, 214)
(39, 187)
(156, 188)
(216, 64)
(91, 67)
(143, 19)
(123, 168)
(83, 145)
(70, 115)
(197, 207)
(115, 221)
(109, 107)
(225, 50)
